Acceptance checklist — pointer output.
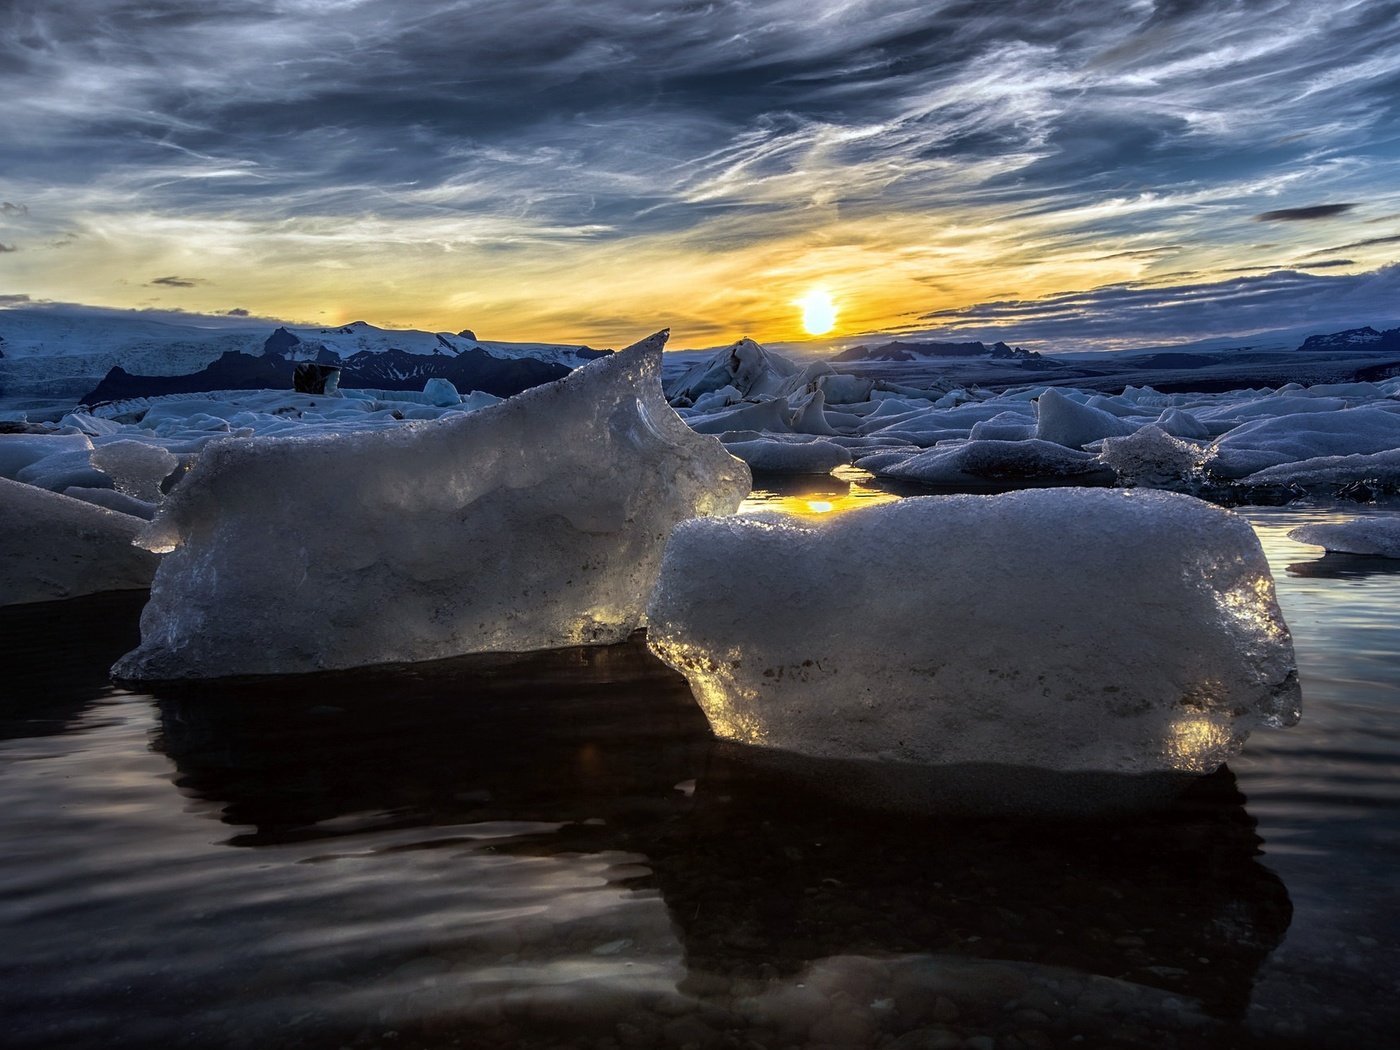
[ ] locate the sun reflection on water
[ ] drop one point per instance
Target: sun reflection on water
(824, 496)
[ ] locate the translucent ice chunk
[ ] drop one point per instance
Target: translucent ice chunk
(535, 523)
(1153, 457)
(1127, 632)
(136, 467)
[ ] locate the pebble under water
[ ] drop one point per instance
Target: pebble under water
(552, 851)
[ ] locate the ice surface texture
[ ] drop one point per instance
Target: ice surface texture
(1066, 629)
(535, 523)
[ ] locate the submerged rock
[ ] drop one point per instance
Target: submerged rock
(535, 523)
(1062, 630)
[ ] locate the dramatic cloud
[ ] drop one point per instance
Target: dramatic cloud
(1134, 314)
(1312, 211)
(7, 248)
(516, 165)
(13, 300)
(237, 311)
(177, 282)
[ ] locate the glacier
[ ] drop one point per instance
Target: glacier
(535, 523)
(1065, 630)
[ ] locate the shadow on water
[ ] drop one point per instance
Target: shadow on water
(57, 658)
(565, 735)
(1176, 899)
(1335, 565)
(761, 876)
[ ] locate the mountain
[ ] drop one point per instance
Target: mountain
(392, 369)
(57, 354)
(909, 351)
(1352, 339)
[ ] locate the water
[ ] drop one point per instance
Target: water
(552, 852)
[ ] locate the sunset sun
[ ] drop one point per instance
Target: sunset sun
(818, 312)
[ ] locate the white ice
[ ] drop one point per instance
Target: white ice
(1065, 629)
(532, 524)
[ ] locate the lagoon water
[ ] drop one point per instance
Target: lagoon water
(551, 851)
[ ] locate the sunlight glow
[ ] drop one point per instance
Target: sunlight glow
(818, 312)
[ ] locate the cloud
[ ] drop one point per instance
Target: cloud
(6, 208)
(1311, 211)
(1324, 264)
(237, 311)
(176, 282)
(7, 248)
(1367, 243)
(1096, 130)
(171, 315)
(1137, 314)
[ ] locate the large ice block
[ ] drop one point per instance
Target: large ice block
(1066, 630)
(535, 523)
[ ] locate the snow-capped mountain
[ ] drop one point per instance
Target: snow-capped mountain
(1352, 339)
(53, 354)
(913, 351)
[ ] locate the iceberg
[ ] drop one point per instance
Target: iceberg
(1122, 632)
(136, 468)
(1376, 537)
(53, 546)
(531, 524)
(988, 462)
(1066, 422)
(1153, 458)
(768, 456)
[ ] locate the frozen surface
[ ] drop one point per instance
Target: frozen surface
(532, 524)
(1378, 536)
(54, 547)
(1067, 630)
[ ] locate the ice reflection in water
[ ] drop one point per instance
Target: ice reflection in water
(553, 853)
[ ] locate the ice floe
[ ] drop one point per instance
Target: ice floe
(532, 524)
(1377, 536)
(1126, 632)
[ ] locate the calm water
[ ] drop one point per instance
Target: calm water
(552, 852)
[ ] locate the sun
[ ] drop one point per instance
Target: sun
(818, 312)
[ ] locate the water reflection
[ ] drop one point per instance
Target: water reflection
(566, 735)
(57, 655)
(1335, 565)
(603, 752)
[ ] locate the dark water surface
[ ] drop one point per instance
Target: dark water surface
(552, 852)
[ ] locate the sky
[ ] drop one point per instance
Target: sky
(1071, 175)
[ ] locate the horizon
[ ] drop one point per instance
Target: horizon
(1140, 174)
